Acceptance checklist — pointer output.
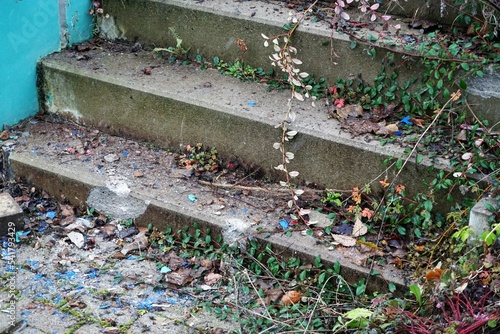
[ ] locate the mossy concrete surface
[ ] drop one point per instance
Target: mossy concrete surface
(182, 105)
(211, 28)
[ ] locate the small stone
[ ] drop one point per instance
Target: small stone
(111, 157)
(77, 238)
(138, 174)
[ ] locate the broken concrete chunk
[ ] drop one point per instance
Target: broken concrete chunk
(111, 157)
(77, 238)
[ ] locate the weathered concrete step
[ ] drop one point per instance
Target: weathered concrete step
(211, 28)
(53, 158)
(182, 105)
(11, 217)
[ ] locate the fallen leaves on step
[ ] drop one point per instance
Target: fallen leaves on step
(212, 278)
(434, 274)
(180, 277)
(359, 228)
(291, 297)
(349, 110)
(344, 240)
(4, 135)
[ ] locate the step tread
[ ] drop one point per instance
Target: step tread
(208, 88)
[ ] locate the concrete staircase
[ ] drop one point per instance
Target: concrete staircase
(106, 87)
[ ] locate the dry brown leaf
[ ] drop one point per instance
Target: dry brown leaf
(344, 240)
(140, 242)
(291, 297)
(138, 174)
(206, 263)
(418, 122)
(66, 210)
(350, 110)
(179, 277)
(359, 228)
(434, 274)
(4, 135)
(212, 278)
(462, 135)
(108, 230)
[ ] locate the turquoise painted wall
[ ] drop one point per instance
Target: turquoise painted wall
(29, 30)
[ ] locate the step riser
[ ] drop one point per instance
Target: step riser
(213, 33)
(322, 159)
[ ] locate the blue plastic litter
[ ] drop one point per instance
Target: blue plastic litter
(406, 120)
(244, 210)
(125, 153)
(192, 198)
(284, 223)
(104, 306)
(93, 273)
(132, 257)
(171, 300)
(398, 133)
(21, 234)
(33, 264)
(51, 214)
(43, 226)
(252, 103)
(165, 270)
(145, 304)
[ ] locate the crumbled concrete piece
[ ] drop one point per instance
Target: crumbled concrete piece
(479, 219)
(319, 219)
(11, 216)
(235, 228)
(77, 238)
(116, 204)
(80, 224)
(111, 157)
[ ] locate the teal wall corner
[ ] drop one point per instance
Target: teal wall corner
(31, 30)
(79, 22)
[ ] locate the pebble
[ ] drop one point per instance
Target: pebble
(111, 157)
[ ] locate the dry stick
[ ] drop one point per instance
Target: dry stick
(316, 304)
(258, 294)
(267, 190)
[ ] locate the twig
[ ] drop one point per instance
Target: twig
(236, 186)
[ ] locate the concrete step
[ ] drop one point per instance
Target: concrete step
(53, 158)
(211, 28)
(183, 105)
(11, 217)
